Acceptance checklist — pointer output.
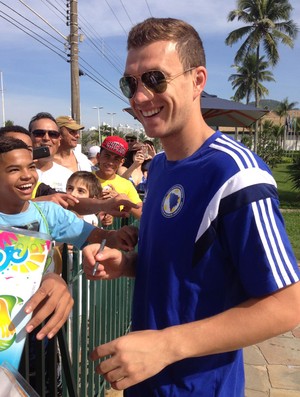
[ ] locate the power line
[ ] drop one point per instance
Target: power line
(43, 19)
(18, 26)
(60, 14)
(102, 52)
(102, 43)
(116, 18)
(101, 47)
(105, 87)
(28, 20)
(97, 72)
(148, 8)
(126, 12)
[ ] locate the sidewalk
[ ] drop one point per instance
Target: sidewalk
(272, 367)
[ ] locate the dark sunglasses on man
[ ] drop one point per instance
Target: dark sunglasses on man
(72, 132)
(153, 80)
(41, 133)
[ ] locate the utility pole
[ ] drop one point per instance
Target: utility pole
(73, 41)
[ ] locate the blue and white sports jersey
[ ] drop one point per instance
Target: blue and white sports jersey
(211, 237)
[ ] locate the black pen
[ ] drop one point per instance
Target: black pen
(100, 250)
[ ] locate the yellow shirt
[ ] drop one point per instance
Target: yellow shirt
(122, 185)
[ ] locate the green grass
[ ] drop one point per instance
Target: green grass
(289, 204)
(292, 224)
(289, 198)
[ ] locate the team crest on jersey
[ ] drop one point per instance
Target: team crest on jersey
(173, 201)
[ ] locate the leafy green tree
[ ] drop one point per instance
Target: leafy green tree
(268, 148)
(284, 107)
(283, 111)
(243, 81)
(295, 173)
(267, 22)
(9, 123)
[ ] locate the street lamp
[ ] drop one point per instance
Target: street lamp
(112, 121)
(99, 126)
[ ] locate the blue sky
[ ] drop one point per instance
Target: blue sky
(37, 79)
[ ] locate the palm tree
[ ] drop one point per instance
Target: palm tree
(295, 173)
(244, 78)
(267, 22)
(282, 110)
(284, 107)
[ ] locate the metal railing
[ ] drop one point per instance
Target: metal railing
(101, 313)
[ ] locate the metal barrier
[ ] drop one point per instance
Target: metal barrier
(101, 312)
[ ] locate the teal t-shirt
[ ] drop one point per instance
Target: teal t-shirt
(62, 225)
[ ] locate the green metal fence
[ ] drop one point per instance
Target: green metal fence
(101, 312)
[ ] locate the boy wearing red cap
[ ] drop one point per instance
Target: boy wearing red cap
(111, 156)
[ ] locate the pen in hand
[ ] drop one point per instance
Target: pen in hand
(100, 250)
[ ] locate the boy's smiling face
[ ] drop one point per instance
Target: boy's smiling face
(18, 178)
(109, 163)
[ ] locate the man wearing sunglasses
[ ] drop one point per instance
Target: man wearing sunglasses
(215, 271)
(131, 139)
(45, 132)
(68, 154)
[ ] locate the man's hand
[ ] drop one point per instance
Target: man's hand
(112, 205)
(63, 199)
(110, 263)
(124, 239)
(52, 297)
(132, 358)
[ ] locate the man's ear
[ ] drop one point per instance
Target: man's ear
(200, 77)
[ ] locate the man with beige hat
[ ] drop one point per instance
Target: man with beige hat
(66, 154)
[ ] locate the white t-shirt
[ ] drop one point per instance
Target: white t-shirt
(83, 163)
(56, 176)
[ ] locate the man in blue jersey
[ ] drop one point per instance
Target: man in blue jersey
(215, 271)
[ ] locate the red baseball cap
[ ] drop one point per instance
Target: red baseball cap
(116, 145)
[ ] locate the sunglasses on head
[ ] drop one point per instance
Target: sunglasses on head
(153, 80)
(41, 133)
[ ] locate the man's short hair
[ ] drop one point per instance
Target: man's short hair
(188, 42)
(40, 116)
(14, 128)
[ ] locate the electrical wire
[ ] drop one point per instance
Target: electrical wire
(116, 18)
(40, 41)
(43, 19)
(93, 32)
(148, 8)
(126, 12)
(102, 53)
(28, 20)
(86, 73)
(91, 40)
(108, 82)
(60, 14)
